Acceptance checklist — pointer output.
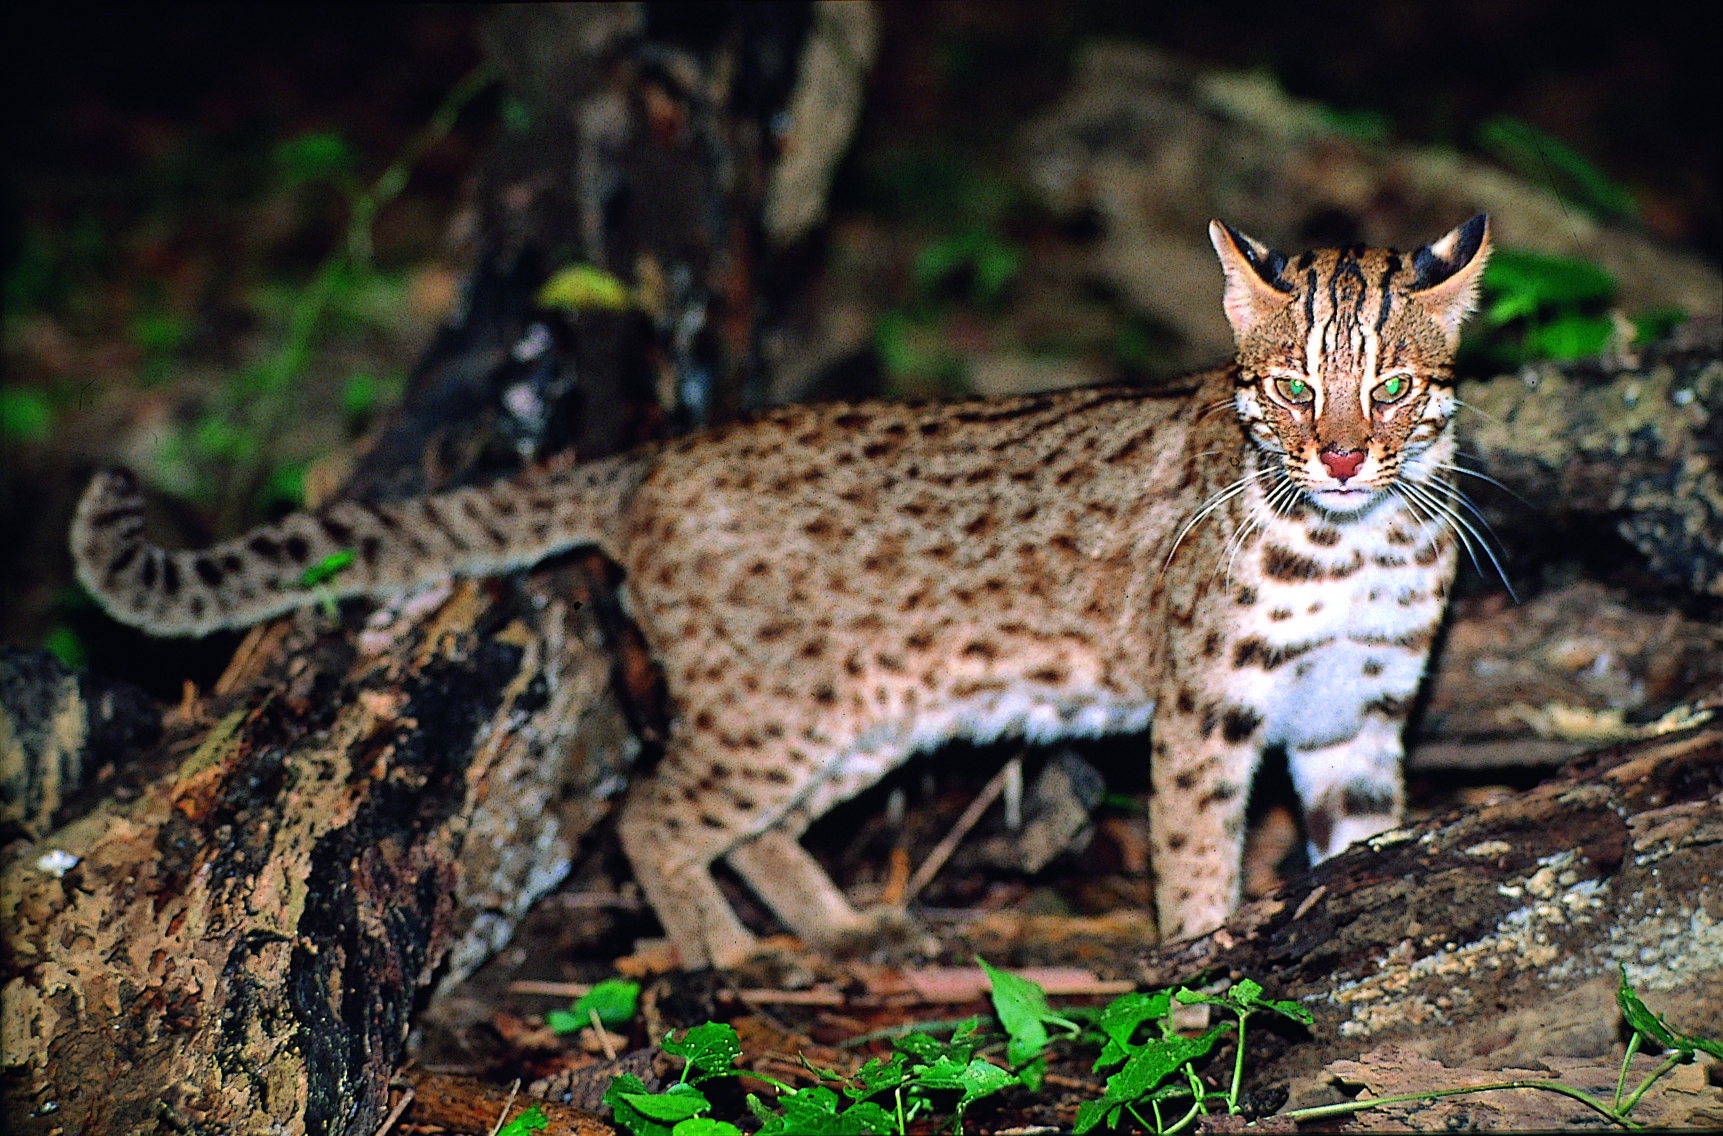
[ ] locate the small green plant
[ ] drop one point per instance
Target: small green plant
(924, 1074)
(1161, 1069)
(611, 1002)
(976, 256)
(26, 415)
(708, 1052)
(1551, 307)
(529, 1121)
(1647, 1028)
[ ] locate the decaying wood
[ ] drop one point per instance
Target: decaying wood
(240, 947)
(1492, 938)
(1630, 439)
(459, 1104)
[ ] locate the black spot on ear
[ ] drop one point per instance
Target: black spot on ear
(1267, 263)
(1430, 269)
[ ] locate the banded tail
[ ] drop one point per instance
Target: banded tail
(349, 548)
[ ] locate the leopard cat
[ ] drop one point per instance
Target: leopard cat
(1256, 557)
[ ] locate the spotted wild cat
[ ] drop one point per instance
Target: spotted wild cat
(1257, 558)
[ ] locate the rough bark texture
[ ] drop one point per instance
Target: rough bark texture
(1633, 440)
(239, 948)
(1491, 938)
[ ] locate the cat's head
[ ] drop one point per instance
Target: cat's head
(1345, 357)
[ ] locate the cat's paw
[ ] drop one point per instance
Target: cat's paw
(889, 931)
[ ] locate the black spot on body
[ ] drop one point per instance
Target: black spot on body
(337, 532)
(1366, 798)
(208, 571)
(1238, 723)
(1283, 564)
(1255, 652)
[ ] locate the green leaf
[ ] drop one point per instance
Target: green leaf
(1149, 1065)
(317, 155)
(1649, 327)
(981, 1078)
(879, 1076)
(623, 1088)
(1023, 1012)
(711, 1049)
(927, 1050)
(1121, 1019)
(584, 286)
(1652, 1025)
(67, 646)
(814, 1111)
(677, 1103)
(1546, 160)
(1093, 1112)
(1246, 995)
(25, 414)
(527, 1122)
(327, 568)
(613, 1000)
(1568, 337)
(1517, 283)
(705, 1126)
(359, 396)
(565, 1021)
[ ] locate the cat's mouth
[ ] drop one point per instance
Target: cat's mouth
(1343, 501)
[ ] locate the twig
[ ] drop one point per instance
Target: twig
(407, 1095)
(508, 1104)
(943, 850)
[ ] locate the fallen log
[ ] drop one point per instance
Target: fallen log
(1492, 937)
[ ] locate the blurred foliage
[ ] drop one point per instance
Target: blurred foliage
(1549, 307)
(25, 415)
(979, 262)
(1549, 162)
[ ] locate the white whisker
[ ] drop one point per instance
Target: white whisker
(1219, 498)
(1424, 501)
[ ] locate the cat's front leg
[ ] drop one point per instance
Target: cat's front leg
(1203, 758)
(1350, 790)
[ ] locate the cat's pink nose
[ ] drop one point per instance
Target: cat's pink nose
(1342, 464)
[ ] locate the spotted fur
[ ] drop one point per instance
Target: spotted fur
(1257, 558)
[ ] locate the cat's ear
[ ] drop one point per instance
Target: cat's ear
(1447, 272)
(1254, 290)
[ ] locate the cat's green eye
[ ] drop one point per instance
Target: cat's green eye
(1294, 390)
(1391, 389)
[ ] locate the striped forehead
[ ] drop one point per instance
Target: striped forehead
(1347, 296)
